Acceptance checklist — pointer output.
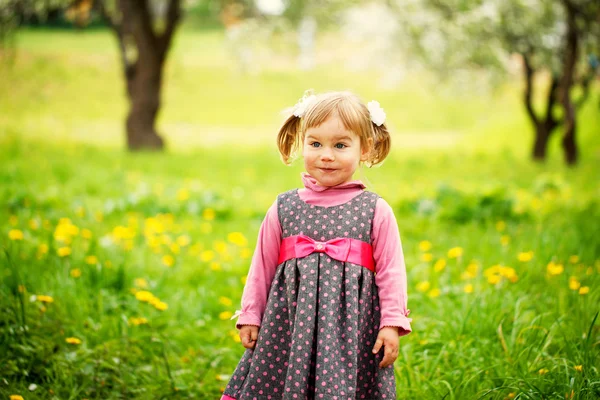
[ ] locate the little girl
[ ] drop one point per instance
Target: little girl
(325, 298)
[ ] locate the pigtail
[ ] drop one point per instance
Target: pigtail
(288, 139)
(382, 143)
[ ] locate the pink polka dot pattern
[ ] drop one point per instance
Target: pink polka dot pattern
(322, 316)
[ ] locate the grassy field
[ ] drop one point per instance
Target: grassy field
(120, 271)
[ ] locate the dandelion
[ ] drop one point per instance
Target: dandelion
(42, 250)
(175, 249)
(140, 283)
(494, 279)
(500, 226)
(86, 234)
(543, 371)
(207, 255)
(505, 240)
(45, 299)
(168, 260)
(579, 368)
(574, 284)
(73, 340)
(15, 234)
(439, 265)
(144, 295)
(225, 315)
(584, 290)
(525, 256)
(468, 288)
(235, 335)
(183, 195)
(574, 259)
(426, 257)
(183, 240)
(554, 269)
(209, 214)
(215, 266)
(433, 293)
(91, 260)
(423, 286)
(237, 238)
(161, 306)
(220, 246)
(226, 301)
(138, 321)
(63, 251)
(75, 272)
(455, 252)
(34, 225)
(15, 397)
(425, 245)
(511, 395)
(246, 253)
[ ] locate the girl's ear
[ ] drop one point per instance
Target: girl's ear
(366, 150)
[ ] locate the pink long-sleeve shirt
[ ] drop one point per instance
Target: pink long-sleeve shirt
(387, 252)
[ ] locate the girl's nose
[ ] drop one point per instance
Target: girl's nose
(327, 154)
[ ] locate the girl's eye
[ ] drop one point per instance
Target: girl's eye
(315, 144)
(340, 146)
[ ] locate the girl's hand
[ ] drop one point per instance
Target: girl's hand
(388, 338)
(249, 336)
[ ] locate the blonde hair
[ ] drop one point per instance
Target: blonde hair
(354, 115)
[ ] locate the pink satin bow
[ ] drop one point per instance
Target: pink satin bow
(341, 249)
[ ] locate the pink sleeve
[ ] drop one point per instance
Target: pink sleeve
(262, 270)
(390, 268)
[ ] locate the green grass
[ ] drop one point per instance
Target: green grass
(459, 176)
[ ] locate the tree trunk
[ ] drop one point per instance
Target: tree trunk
(570, 58)
(143, 89)
(540, 144)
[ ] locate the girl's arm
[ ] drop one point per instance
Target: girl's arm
(262, 270)
(390, 268)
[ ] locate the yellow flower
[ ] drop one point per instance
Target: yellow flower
(91, 260)
(246, 253)
(500, 226)
(225, 315)
(439, 265)
(494, 279)
(574, 284)
(235, 335)
(207, 255)
(161, 306)
(543, 371)
(138, 321)
(434, 293)
(423, 286)
(220, 246)
(45, 299)
(455, 252)
(22, 289)
(80, 212)
(525, 256)
(64, 251)
(584, 290)
(225, 301)
(73, 340)
(511, 395)
(15, 234)
(15, 397)
(426, 257)
(183, 240)
(505, 240)
(208, 214)
(425, 245)
(141, 283)
(144, 295)
(42, 250)
(237, 238)
(243, 279)
(555, 269)
(86, 234)
(468, 288)
(123, 233)
(75, 272)
(579, 368)
(574, 259)
(183, 194)
(168, 260)
(175, 249)
(215, 266)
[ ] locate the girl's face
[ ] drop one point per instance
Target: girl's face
(332, 153)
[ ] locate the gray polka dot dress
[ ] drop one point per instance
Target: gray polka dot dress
(322, 316)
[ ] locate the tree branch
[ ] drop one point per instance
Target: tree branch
(119, 29)
(172, 19)
(529, 89)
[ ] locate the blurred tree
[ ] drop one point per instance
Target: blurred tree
(144, 30)
(558, 37)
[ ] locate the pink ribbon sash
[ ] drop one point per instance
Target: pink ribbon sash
(342, 249)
